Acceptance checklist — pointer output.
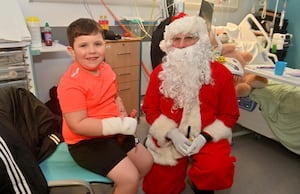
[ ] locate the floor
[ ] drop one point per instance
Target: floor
(263, 167)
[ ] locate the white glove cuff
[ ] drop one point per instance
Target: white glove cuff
(217, 130)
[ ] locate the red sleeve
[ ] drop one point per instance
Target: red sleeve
(228, 102)
(152, 96)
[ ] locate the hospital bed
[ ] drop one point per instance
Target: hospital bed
(273, 111)
(276, 115)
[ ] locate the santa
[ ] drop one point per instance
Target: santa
(191, 106)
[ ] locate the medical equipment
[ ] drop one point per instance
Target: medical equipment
(171, 7)
(247, 104)
(281, 40)
(179, 6)
(206, 12)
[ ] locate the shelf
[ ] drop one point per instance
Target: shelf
(12, 44)
(56, 47)
(269, 73)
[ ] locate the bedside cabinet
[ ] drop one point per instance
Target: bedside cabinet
(124, 58)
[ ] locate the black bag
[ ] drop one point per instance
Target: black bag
(157, 35)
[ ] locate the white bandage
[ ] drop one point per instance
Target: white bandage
(129, 126)
(118, 125)
(111, 126)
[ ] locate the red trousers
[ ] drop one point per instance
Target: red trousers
(211, 169)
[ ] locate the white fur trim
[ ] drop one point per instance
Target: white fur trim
(191, 118)
(167, 155)
(218, 130)
(188, 24)
(160, 127)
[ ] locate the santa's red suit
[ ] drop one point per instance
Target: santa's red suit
(212, 168)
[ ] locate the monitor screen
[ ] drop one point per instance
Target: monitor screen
(206, 12)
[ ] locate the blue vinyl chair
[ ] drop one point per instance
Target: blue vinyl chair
(61, 170)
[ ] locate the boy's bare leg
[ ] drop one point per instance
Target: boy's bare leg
(125, 177)
(141, 158)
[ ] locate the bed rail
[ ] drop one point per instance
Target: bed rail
(245, 25)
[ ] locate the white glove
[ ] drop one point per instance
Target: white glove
(117, 125)
(179, 140)
(197, 144)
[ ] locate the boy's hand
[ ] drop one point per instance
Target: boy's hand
(133, 113)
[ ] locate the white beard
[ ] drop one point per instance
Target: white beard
(184, 72)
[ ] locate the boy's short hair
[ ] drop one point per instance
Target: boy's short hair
(82, 26)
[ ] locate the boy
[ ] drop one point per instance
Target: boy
(96, 126)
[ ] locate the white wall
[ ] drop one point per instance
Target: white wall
(49, 67)
(61, 14)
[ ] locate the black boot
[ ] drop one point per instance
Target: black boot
(197, 191)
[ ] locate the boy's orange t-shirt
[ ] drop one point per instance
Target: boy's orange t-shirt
(79, 90)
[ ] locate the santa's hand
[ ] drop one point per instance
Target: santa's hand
(197, 144)
(118, 125)
(179, 140)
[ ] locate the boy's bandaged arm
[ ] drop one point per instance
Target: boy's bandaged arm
(118, 125)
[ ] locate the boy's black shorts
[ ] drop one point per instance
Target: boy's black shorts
(100, 155)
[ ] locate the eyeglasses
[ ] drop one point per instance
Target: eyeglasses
(185, 40)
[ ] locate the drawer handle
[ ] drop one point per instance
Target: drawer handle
(125, 53)
(124, 89)
(123, 74)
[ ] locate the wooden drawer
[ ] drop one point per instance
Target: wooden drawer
(123, 54)
(124, 58)
(127, 74)
(129, 92)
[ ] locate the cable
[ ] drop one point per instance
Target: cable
(125, 29)
(140, 22)
(87, 8)
(117, 20)
(264, 10)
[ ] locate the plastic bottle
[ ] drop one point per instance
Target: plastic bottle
(33, 24)
(106, 23)
(101, 21)
(47, 35)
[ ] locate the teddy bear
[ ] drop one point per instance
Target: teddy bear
(245, 83)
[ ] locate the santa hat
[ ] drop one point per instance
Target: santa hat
(183, 24)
